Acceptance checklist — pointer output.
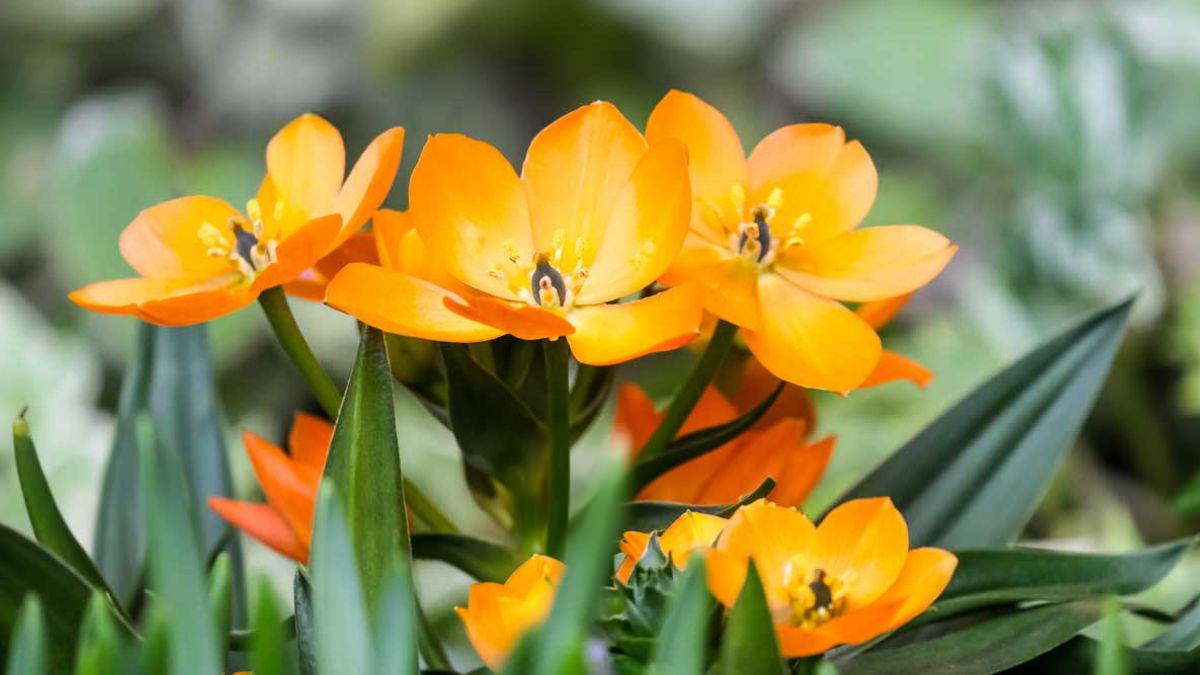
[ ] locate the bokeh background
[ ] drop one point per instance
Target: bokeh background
(1058, 142)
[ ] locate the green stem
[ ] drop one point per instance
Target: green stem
(279, 314)
(329, 397)
(557, 399)
(690, 392)
(428, 645)
(425, 510)
(806, 666)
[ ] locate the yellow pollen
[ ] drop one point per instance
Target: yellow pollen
(558, 238)
(277, 212)
(581, 247)
(737, 195)
(212, 237)
(254, 210)
(775, 199)
(813, 597)
(510, 250)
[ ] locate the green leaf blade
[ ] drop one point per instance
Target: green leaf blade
(684, 635)
(27, 648)
(749, 644)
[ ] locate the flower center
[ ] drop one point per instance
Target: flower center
(541, 281)
(813, 597)
(752, 230)
(547, 284)
(249, 250)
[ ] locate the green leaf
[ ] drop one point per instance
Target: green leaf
(684, 635)
(974, 476)
(268, 645)
(1187, 502)
(646, 516)
(1008, 576)
(1183, 635)
(364, 465)
(220, 599)
(27, 569)
(699, 443)
(176, 563)
(396, 627)
(481, 559)
(171, 384)
(100, 649)
(306, 634)
(48, 524)
(749, 644)
(987, 646)
(26, 648)
(557, 647)
(339, 610)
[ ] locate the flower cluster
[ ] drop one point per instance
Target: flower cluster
(621, 243)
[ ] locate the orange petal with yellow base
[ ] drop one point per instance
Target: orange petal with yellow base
(608, 334)
(497, 615)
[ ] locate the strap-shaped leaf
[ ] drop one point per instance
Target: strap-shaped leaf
(176, 564)
(48, 524)
(396, 629)
(986, 646)
(683, 639)
(268, 645)
(343, 638)
(306, 632)
(26, 649)
(974, 476)
(985, 578)
(749, 644)
(100, 648)
(481, 559)
(364, 466)
(645, 516)
(698, 443)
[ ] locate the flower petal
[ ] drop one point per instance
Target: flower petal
(690, 532)
(635, 418)
(470, 209)
(187, 307)
(309, 440)
(893, 366)
(757, 383)
(163, 241)
(802, 471)
(608, 334)
(726, 574)
(306, 162)
(633, 544)
(389, 228)
(264, 524)
(870, 264)
(514, 318)
(716, 160)
(573, 173)
(369, 181)
(811, 341)
(779, 452)
(773, 535)
(403, 304)
(645, 229)
(730, 291)
(121, 296)
(867, 538)
(796, 642)
(298, 253)
(291, 489)
(879, 313)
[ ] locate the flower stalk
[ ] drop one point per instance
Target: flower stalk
(558, 412)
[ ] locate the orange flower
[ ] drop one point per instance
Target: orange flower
(290, 483)
(497, 615)
(199, 258)
(689, 532)
(773, 242)
(596, 215)
(311, 285)
(775, 446)
(846, 581)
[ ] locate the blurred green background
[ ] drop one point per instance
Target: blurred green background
(1055, 141)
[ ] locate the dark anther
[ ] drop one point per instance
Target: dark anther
(764, 235)
(246, 241)
(822, 594)
(545, 273)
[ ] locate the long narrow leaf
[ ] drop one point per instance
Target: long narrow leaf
(481, 559)
(749, 644)
(395, 637)
(268, 647)
(684, 636)
(645, 516)
(339, 610)
(974, 476)
(27, 647)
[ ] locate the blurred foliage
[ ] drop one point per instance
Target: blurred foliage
(1055, 141)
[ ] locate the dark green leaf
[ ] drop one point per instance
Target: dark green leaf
(987, 646)
(1188, 500)
(481, 559)
(339, 611)
(176, 563)
(698, 443)
(306, 635)
(48, 524)
(26, 647)
(986, 578)
(749, 644)
(974, 476)
(99, 643)
(268, 646)
(220, 599)
(364, 466)
(684, 635)
(25, 569)
(647, 516)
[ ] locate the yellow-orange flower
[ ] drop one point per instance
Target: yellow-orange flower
(775, 446)
(690, 532)
(596, 215)
(497, 615)
(289, 481)
(846, 581)
(774, 248)
(199, 258)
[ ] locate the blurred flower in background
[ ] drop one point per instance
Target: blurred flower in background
(1054, 141)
